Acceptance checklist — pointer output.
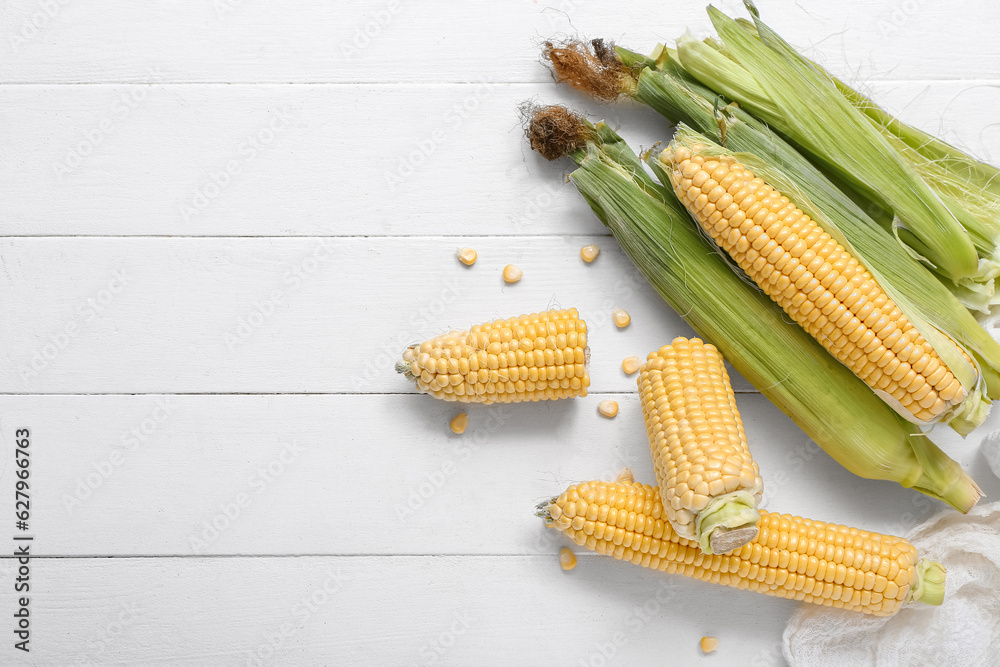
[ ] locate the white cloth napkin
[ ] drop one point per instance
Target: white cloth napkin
(963, 632)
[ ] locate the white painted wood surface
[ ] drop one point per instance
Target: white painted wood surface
(221, 221)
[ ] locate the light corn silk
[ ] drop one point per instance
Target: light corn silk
(819, 393)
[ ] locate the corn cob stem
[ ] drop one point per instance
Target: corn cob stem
(791, 557)
(789, 367)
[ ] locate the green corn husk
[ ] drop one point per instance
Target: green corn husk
(969, 188)
(791, 369)
(772, 81)
(661, 83)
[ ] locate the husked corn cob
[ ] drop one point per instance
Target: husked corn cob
(791, 557)
(528, 358)
(815, 280)
(709, 483)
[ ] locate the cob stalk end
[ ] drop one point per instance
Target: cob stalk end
(929, 587)
(727, 523)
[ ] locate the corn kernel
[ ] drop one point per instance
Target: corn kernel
(608, 408)
(625, 476)
(709, 644)
(567, 559)
(630, 365)
(620, 317)
(512, 274)
(466, 256)
(590, 252)
(459, 423)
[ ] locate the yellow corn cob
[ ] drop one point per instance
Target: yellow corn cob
(709, 484)
(816, 281)
(791, 557)
(528, 358)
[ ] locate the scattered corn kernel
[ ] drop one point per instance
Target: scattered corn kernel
(567, 559)
(630, 364)
(511, 274)
(625, 476)
(620, 317)
(590, 252)
(709, 644)
(459, 423)
(466, 256)
(608, 408)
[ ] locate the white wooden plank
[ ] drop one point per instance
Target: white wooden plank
(309, 160)
(384, 611)
(291, 315)
(199, 475)
(397, 40)
(285, 160)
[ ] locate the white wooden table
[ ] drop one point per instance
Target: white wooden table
(221, 222)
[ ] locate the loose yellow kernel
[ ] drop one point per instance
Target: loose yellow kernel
(709, 644)
(459, 423)
(630, 364)
(590, 252)
(625, 476)
(567, 559)
(620, 317)
(511, 274)
(466, 256)
(608, 408)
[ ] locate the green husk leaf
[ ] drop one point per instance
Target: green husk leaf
(805, 106)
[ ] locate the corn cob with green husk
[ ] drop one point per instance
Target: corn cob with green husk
(662, 84)
(790, 557)
(788, 366)
(803, 262)
(957, 237)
